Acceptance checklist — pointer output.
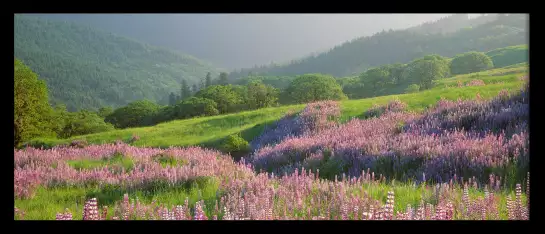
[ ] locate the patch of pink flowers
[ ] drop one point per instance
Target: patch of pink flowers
(464, 137)
(303, 196)
(48, 168)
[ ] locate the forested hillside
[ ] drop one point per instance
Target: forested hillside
(402, 46)
(452, 23)
(88, 68)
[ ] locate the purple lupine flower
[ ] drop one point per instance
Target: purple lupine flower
(199, 213)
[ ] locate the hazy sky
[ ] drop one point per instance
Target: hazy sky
(243, 40)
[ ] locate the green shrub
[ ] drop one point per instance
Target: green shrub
(38, 143)
(314, 87)
(195, 106)
(412, 88)
(135, 114)
(235, 143)
(79, 123)
(225, 96)
(427, 69)
(79, 143)
(470, 62)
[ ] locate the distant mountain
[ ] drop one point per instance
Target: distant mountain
(452, 23)
(483, 33)
(244, 40)
(90, 68)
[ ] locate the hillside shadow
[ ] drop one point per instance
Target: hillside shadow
(232, 120)
(248, 134)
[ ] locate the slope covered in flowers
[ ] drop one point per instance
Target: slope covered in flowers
(209, 131)
(458, 160)
(464, 138)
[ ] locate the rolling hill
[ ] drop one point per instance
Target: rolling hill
(86, 68)
(402, 46)
(210, 131)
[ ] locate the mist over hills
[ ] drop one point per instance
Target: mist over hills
(89, 68)
(243, 40)
(447, 37)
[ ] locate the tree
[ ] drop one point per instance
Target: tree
(83, 122)
(376, 77)
(396, 71)
(443, 63)
(165, 113)
(105, 111)
(413, 88)
(225, 96)
(202, 83)
(314, 87)
(195, 106)
(60, 116)
(425, 72)
(32, 112)
(172, 99)
(208, 79)
(261, 95)
(135, 114)
(223, 78)
(184, 92)
(470, 62)
(194, 89)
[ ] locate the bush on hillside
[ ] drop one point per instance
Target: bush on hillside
(412, 88)
(314, 87)
(79, 143)
(261, 95)
(195, 106)
(470, 62)
(69, 124)
(235, 143)
(105, 111)
(165, 113)
(135, 114)
(225, 96)
(427, 69)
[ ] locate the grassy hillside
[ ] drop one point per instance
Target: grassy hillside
(209, 131)
(402, 46)
(509, 55)
(88, 68)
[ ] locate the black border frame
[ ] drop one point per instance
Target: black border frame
(300, 226)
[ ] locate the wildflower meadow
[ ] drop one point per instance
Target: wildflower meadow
(458, 160)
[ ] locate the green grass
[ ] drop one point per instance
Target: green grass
(169, 160)
(117, 160)
(210, 131)
(48, 202)
(411, 194)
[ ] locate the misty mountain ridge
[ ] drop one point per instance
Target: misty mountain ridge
(463, 34)
(89, 68)
(260, 38)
